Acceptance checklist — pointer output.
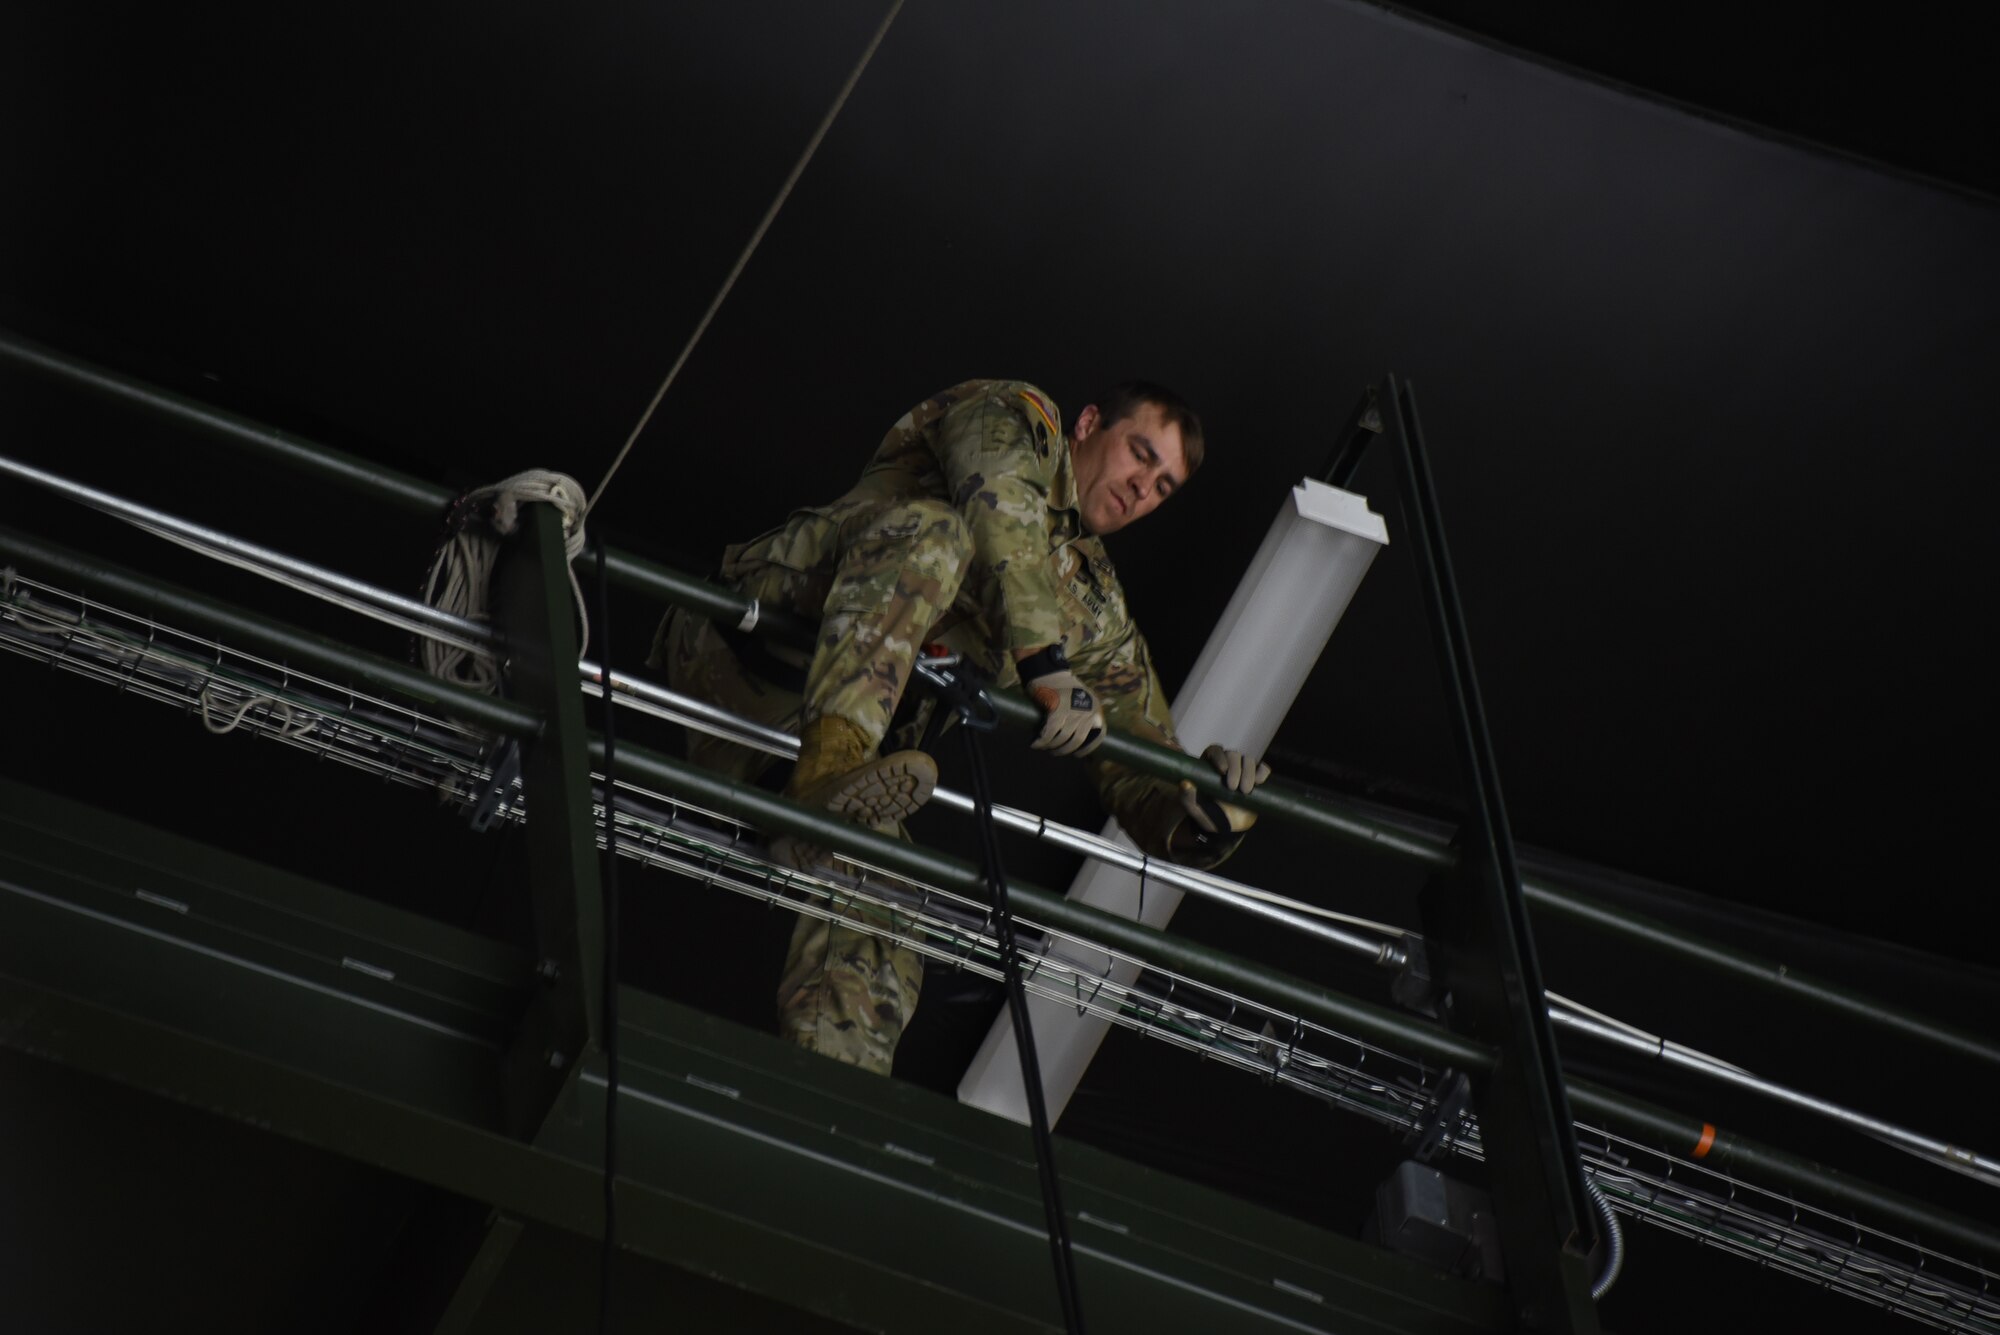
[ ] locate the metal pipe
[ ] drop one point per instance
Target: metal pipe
(1673, 1054)
(1268, 987)
(117, 584)
(459, 631)
(1322, 812)
(417, 615)
(721, 605)
(778, 815)
(308, 457)
(1720, 1150)
(688, 711)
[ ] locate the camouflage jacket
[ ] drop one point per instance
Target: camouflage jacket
(995, 450)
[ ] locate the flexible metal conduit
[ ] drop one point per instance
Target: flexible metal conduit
(1325, 813)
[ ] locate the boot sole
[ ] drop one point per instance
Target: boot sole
(884, 792)
(879, 795)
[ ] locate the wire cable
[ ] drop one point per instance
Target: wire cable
(1024, 1038)
(749, 249)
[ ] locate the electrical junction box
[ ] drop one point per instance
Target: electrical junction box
(1422, 1213)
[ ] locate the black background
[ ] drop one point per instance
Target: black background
(1711, 410)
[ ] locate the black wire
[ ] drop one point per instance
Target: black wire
(1024, 1041)
(609, 1010)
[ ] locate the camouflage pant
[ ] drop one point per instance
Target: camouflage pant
(887, 576)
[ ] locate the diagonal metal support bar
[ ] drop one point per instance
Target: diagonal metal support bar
(1483, 954)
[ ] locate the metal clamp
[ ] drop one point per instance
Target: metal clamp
(941, 669)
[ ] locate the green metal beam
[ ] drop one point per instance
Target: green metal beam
(496, 1245)
(243, 629)
(863, 1199)
(1390, 1029)
(536, 612)
(308, 457)
(1318, 811)
(93, 905)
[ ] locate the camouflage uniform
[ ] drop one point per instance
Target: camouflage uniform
(963, 529)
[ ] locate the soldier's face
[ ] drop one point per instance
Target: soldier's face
(1126, 469)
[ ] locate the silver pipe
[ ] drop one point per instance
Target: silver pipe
(684, 709)
(690, 712)
(464, 633)
(660, 702)
(1673, 1054)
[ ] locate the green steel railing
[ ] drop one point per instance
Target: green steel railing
(1258, 983)
(1314, 810)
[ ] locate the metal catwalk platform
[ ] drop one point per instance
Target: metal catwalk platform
(188, 972)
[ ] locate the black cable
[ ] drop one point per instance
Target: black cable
(609, 1011)
(1024, 1039)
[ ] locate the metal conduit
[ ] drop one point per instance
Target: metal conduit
(1254, 982)
(692, 712)
(415, 615)
(272, 637)
(722, 723)
(1673, 1054)
(1325, 813)
(410, 613)
(1258, 983)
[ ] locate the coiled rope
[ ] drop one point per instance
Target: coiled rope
(461, 576)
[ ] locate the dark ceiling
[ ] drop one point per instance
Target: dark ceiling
(1711, 408)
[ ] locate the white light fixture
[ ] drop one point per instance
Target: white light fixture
(1242, 686)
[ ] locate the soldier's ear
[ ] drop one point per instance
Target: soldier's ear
(1086, 421)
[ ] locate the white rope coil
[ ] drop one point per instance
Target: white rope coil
(461, 577)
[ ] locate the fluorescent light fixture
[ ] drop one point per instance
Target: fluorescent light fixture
(1242, 686)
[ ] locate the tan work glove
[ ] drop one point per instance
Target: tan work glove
(1073, 720)
(1242, 775)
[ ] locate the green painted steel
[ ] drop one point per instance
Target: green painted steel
(779, 815)
(1482, 952)
(863, 1199)
(536, 612)
(244, 629)
(1325, 813)
(1766, 1164)
(496, 1245)
(235, 994)
(308, 457)
(1390, 1029)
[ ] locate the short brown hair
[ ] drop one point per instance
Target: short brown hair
(1126, 397)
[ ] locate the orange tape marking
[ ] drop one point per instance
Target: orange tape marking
(1707, 1139)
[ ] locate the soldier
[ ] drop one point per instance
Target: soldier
(978, 524)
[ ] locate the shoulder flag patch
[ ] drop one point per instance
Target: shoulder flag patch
(1043, 409)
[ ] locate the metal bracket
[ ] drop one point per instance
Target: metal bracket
(498, 794)
(957, 686)
(1453, 1100)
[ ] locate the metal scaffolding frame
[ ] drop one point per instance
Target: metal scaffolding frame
(1371, 1061)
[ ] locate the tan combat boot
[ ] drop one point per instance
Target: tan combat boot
(839, 772)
